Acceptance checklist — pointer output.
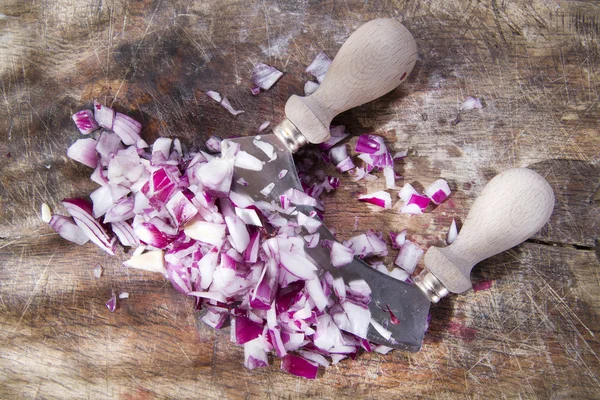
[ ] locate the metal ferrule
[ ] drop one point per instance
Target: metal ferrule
(287, 132)
(433, 288)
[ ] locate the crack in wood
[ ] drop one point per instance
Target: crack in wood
(559, 244)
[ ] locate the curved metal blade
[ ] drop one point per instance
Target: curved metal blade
(405, 301)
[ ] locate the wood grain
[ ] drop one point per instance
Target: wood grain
(535, 65)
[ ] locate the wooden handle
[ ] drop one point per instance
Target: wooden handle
(512, 207)
(375, 59)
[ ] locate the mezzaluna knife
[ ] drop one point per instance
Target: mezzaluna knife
(374, 60)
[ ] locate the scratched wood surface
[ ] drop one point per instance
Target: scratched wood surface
(529, 332)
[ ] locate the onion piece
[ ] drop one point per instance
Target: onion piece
(408, 257)
(265, 76)
(213, 144)
(299, 366)
(46, 213)
(438, 191)
(300, 198)
(255, 355)
(338, 133)
(263, 126)
(85, 122)
(84, 151)
(127, 129)
(381, 199)
(97, 271)
(398, 238)
(312, 240)
(267, 189)
(452, 232)
(206, 232)
(400, 274)
(400, 155)
(470, 103)
(310, 224)
(340, 255)
(103, 115)
(318, 68)
(406, 192)
(125, 234)
(387, 335)
(267, 148)
(67, 229)
(152, 261)
(310, 87)
(123, 295)
(119, 211)
(223, 101)
(81, 211)
(246, 160)
(111, 304)
(370, 144)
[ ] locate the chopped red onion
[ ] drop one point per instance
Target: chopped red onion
(263, 126)
(370, 144)
(255, 90)
(338, 133)
(390, 177)
(340, 255)
(81, 211)
(84, 151)
(282, 173)
(400, 155)
(310, 87)
(312, 240)
(85, 122)
(299, 366)
(318, 68)
(369, 244)
(125, 233)
(127, 129)
(206, 232)
(123, 295)
(300, 198)
(97, 271)
(387, 335)
(399, 274)
(111, 304)
(213, 144)
(107, 145)
(223, 101)
(471, 103)
(267, 189)
(103, 115)
(408, 256)
(46, 213)
(246, 160)
(398, 239)
(416, 199)
(152, 261)
(438, 191)
(406, 192)
(452, 232)
(216, 245)
(310, 224)
(381, 199)
(67, 229)
(121, 210)
(265, 76)
(255, 355)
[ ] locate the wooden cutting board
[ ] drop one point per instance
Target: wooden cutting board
(529, 331)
